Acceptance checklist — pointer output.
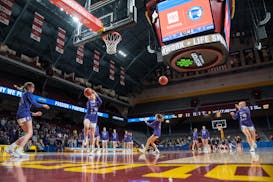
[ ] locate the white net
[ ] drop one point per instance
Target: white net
(111, 41)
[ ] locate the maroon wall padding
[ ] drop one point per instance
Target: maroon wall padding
(158, 32)
(217, 8)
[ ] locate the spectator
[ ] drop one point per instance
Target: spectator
(37, 126)
(35, 138)
(258, 138)
(28, 145)
(3, 121)
(41, 146)
(75, 142)
(271, 137)
(238, 143)
(59, 145)
(4, 138)
(70, 142)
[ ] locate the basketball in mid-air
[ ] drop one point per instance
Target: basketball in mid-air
(87, 92)
(163, 80)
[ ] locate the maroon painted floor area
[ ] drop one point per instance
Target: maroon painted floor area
(168, 166)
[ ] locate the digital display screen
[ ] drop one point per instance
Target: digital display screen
(149, 118)
(181, 18)
(118, 118)
(16, 93)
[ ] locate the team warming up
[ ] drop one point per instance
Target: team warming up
(136, 91)
(91, 133)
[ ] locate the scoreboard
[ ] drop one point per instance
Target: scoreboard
(181, 18)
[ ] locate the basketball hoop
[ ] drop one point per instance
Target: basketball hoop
(111, 41)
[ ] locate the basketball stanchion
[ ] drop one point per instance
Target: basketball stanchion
(220, 129)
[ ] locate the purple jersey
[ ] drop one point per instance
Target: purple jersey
(130, 138)
(126, 138)
(97, 132)
(104, 135)
(195, 135)
(156, 125)
(115, 137)
(92, 109)
(204, 134)
(27, 100)
(244, 115)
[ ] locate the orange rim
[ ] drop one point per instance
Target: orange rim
(104, 37)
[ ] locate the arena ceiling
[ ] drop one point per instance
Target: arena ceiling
(139, 63)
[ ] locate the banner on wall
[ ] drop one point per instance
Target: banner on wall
(112, 70)
(60, 40)
(37, 27)
(96, 61)
(80, 54)
(5, 11)
(122, 76)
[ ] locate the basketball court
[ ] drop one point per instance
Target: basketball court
(168, 166)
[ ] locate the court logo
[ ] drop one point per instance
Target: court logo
(195, 13)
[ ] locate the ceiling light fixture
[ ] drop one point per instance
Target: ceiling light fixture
(75, 19)
(122, 53)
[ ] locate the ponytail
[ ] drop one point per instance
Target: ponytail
(19, 88)
(24, 87)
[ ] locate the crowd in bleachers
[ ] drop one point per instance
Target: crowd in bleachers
(49, 133)
(54, 134)
(231, 142)
(175, 141)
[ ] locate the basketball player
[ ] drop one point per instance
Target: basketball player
(104, 139)
(97, 139)
(24, 119)
(238, 143)
(126, 140)
(156, 125)
(91, 118)
(247, 126)
(114, 139)
(84, 141)
(130, 142)
(195, 139)
(205, 138)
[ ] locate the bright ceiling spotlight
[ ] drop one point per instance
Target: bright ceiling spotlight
(122, 53)
(76, 19)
